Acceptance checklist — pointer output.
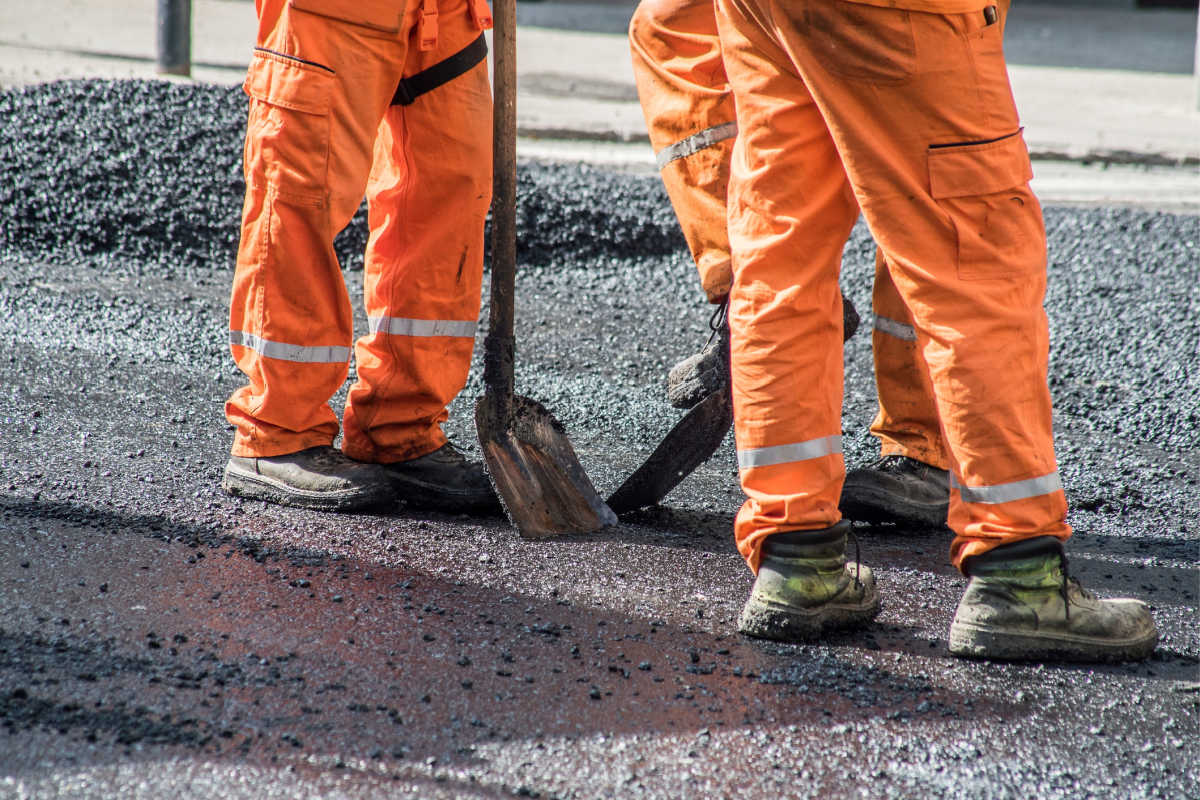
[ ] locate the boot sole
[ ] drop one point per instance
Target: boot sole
(419, 494)
(253, 486)
(867, 505)
(763, 619)
(975, 641)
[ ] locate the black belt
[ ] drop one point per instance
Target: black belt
(430, 78)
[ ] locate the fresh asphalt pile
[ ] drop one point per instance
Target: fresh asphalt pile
(115, 172)
(153, 630)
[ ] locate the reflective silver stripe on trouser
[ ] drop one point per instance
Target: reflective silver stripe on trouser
(696, 142)
(787, 453)
(401, 326)
(1008, 492)
(290, 352)
(897, 329)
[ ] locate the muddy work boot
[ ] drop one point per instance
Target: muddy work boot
(321, 478)
(444, 481)
(805, 585)
(701, 374)
(897, 489)
(1020, 604)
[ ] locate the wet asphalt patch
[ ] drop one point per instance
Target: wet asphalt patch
(311, 651)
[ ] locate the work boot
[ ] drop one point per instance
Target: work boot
(805, 585)
(701, 374)
(1020, 604)
(319, 477)
(897, 489)
(849, 319)
(445, 481)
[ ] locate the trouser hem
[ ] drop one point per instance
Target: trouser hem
(965, 547)
(244, 447)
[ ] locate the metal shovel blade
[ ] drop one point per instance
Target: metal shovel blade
(688, 445)
(545, 490)
(539, 479)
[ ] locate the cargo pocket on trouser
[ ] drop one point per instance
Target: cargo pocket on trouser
(984, 188)
(288, 130)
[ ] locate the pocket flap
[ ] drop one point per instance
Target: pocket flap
(974, 169)
(382, 15)
(288, 83)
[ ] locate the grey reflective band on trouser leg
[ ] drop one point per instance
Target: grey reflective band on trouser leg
(320, 354)
(1008, 492)
(696, 142)
(897, 329)
(787, 453)
(402, 326)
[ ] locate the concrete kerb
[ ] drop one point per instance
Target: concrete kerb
(1086, 116)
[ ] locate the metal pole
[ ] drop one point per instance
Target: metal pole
(1197, 75)
(175, 37)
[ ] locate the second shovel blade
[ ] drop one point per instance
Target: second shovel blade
(688, 445)
(537, 474)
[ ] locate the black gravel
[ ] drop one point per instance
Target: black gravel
(151, 172)
(155, 633)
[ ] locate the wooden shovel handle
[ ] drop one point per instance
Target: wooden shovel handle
(498, 347)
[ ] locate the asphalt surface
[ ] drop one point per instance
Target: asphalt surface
(159, 637)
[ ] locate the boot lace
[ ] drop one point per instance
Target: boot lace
(718, 322)
(448, 454)
(896, 465)
(1065, 587)
(857, 560)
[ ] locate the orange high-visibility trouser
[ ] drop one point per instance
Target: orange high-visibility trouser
(689, 114)
(909, 116)
(321, 132)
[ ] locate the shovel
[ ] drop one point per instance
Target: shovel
(688, 445)
(537, 475)
(694, 438)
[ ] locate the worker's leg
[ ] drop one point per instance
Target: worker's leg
(921, 112)
(909, 482)
(429, 194)
(785, 312)
(786, 342)
(690, 117)
(790, 212)
(907, 422)
(689, 114)
(318, 88)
